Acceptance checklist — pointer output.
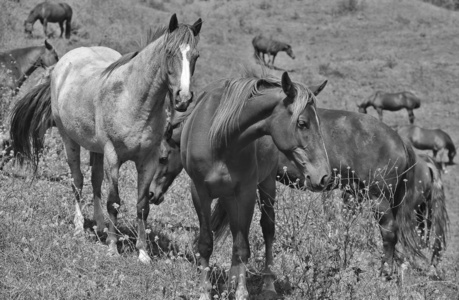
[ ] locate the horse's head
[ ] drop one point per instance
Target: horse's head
(169, 167)
(295, 129)
(180, 63)
(289, 52)
(28, 27)
(49, 57)
(362, 109)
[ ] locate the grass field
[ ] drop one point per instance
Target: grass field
(360, 46)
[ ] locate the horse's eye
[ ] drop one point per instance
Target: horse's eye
(302, 124)
(163, 160)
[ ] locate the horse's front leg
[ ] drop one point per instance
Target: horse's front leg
(61, 25)
(202, 204)
(240, 211)
(111, 167)
(267, 192)
(145, 172)
(45, 27)
(380, 113)
(272, 62)
(410, 115)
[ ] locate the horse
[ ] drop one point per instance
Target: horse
(18, 64)
(429, 139)
(115, 107)
(263, 45)
(429, 204)
(218, 153)
(50, 12)
(391, 102)
(389, 167)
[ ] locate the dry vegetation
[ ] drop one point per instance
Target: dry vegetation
(360, 46)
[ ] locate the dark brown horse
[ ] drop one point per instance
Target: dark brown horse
(263, 45)
(382, 171)
(18, 64)
(218, 151)
(392, 102)
(429, 139)
(53, 13)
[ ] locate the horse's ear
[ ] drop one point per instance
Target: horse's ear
(173, 23)
(196, 27)
(317, 89)
(287, 86)
(48, 45)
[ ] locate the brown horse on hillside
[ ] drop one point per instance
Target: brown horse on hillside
(50, 12)
(18, 64)
(264, 45)
(429, 139)
(391, 102)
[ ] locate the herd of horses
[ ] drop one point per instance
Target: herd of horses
(234, 137)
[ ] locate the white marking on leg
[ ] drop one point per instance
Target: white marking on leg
(78, 220)
(144, 257)
(186, 73)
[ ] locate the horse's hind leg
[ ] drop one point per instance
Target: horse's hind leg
(267, 192)
(45, 27)
(111, 167)
(410, 115)
(97, 176)
(72, 149)
(388, 228)
(202, 205)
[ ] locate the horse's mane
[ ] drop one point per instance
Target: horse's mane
(238, 91)
(173, 40)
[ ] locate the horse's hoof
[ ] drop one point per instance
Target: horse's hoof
(205, 296)
(268, 295)
(144, 257)
(113, 250)
(242, 294)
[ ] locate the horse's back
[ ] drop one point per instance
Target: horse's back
(360, 142)
(261, 43)
(75, 87)
(389, 101)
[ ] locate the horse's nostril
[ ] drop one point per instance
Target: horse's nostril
(324, 181)
(151, 195)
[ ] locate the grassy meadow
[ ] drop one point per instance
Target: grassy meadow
(322, 250)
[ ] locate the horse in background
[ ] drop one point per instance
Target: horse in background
(115, 107)
(391, 102)
(429, 139)
(18, 64)
(263, 45)
(53, 13)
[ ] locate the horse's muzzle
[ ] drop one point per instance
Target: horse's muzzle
(182, 102)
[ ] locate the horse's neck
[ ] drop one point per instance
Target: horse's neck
(28, 63)
(148, 77)
(33, 16)
(366, 103)
(252, 122)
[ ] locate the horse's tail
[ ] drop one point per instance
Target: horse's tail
(403, 199)
(30, 118)
(219, 222)
(440, 217)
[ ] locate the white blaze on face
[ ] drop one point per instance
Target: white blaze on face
(186, 73)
